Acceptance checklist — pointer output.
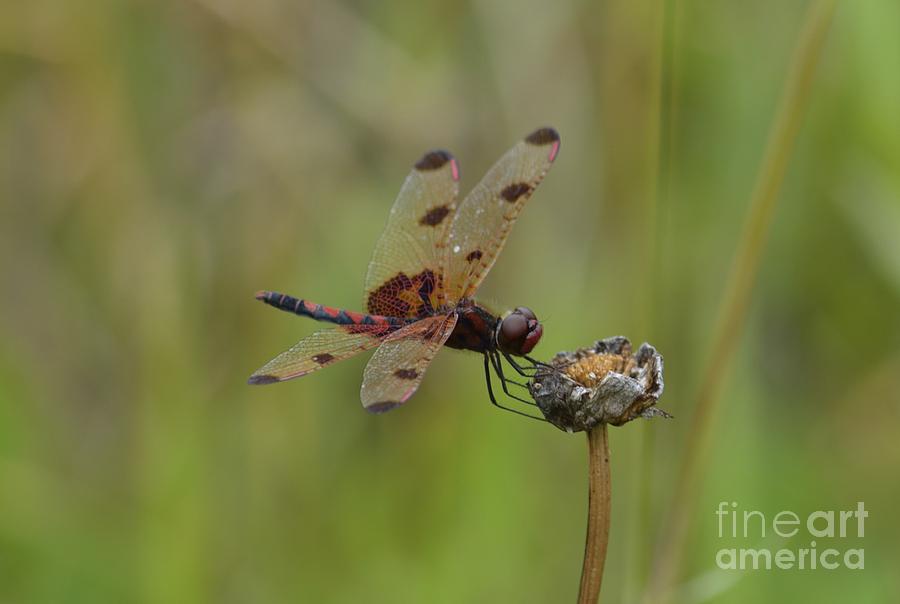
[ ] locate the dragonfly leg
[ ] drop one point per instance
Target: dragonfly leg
(498, 368)
(519, 369)
(537, 363)
(490, 388)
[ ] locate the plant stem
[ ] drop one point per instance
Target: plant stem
(599, 500)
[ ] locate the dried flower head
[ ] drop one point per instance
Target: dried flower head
(605, 383)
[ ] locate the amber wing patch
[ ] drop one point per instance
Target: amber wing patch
(404, 296)
(403, 279)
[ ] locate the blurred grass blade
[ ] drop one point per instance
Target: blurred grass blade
(873, 211)
(659, 190)
(669, 554)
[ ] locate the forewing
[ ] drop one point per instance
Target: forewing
(485, 217)
(396, 369)
(404, 277)
(320, 349)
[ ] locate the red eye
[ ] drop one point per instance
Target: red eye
(513, 330)
(533, 337)
(519, 332)
(527, 312)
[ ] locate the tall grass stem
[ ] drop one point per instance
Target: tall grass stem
(742, 278)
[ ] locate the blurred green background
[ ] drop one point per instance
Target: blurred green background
(162, 161)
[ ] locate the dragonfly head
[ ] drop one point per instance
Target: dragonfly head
(519, 332)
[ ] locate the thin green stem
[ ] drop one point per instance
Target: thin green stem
(599, 508)
(663, 149)
(668, 557)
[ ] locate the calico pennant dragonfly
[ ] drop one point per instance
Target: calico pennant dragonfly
(428, 264)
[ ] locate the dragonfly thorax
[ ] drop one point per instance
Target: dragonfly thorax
(480, 330)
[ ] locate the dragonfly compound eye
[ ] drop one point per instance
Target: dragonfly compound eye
(527, 313)
(519, 332)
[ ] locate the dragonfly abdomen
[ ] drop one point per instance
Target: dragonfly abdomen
(305, 308)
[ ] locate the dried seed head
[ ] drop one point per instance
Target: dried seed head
(605, 383)
(590, 370)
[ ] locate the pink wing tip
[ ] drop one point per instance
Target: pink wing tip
(554, 150)
(545, 136)
(455, 169)
(261, 294)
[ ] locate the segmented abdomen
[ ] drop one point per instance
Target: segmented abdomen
(330, 314)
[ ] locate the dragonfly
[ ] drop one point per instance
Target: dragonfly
(419, 292)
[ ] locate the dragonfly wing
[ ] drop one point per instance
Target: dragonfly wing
(404, 277)
(321, 349)
(487, 214)
(396, 369)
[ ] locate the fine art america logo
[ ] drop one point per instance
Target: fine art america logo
(835, 527)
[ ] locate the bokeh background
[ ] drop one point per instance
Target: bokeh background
(162, 161)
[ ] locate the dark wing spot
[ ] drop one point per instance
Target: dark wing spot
(514, 191)
(323, 358)
(434, 216)
(473, 256)
(260, 380)
(382, 406)
(433, 160)
(406, 374)
(542, 136)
